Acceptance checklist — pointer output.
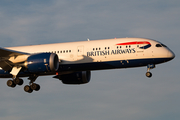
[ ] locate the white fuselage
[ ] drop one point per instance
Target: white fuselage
(100, 50)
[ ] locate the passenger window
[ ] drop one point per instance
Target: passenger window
(158, 45)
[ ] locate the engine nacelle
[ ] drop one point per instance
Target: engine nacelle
(42, 62)
(76, 78)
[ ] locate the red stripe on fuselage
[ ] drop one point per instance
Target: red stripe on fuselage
(134, 43)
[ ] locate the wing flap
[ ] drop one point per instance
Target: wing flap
(5, 65)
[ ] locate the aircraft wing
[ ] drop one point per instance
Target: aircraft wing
(7, 58)
(9, 53)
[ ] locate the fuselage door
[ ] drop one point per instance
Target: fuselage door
(80, 51)
(139, 51)
(144, 50)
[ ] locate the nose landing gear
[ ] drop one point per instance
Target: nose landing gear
(148, 73)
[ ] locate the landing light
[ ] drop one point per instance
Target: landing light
(27, 63)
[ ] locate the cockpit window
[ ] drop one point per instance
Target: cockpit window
(163, 45)
(158, 45)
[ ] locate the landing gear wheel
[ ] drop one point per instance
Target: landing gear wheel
(28, 89)
(18, 81)
(11, 83)
(35, 87)
(149, 74)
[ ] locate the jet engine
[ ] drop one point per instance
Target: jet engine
(76, 77)
(42, 62)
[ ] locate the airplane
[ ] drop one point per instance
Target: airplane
(73, 62)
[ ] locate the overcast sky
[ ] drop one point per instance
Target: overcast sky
(122, 94)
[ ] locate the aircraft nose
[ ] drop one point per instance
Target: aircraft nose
(171, 54)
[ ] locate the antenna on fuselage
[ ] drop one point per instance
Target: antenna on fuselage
(88, 39)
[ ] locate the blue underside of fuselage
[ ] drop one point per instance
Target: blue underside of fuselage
(94, 66)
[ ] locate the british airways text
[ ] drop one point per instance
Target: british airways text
(108, 52)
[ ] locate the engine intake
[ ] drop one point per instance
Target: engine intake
(42, 62)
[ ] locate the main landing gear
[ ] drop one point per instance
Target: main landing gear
(28, 88)
(32, 86)
(14, 82)
(148, 73)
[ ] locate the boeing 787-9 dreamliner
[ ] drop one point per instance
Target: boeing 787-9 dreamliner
(73, 62)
